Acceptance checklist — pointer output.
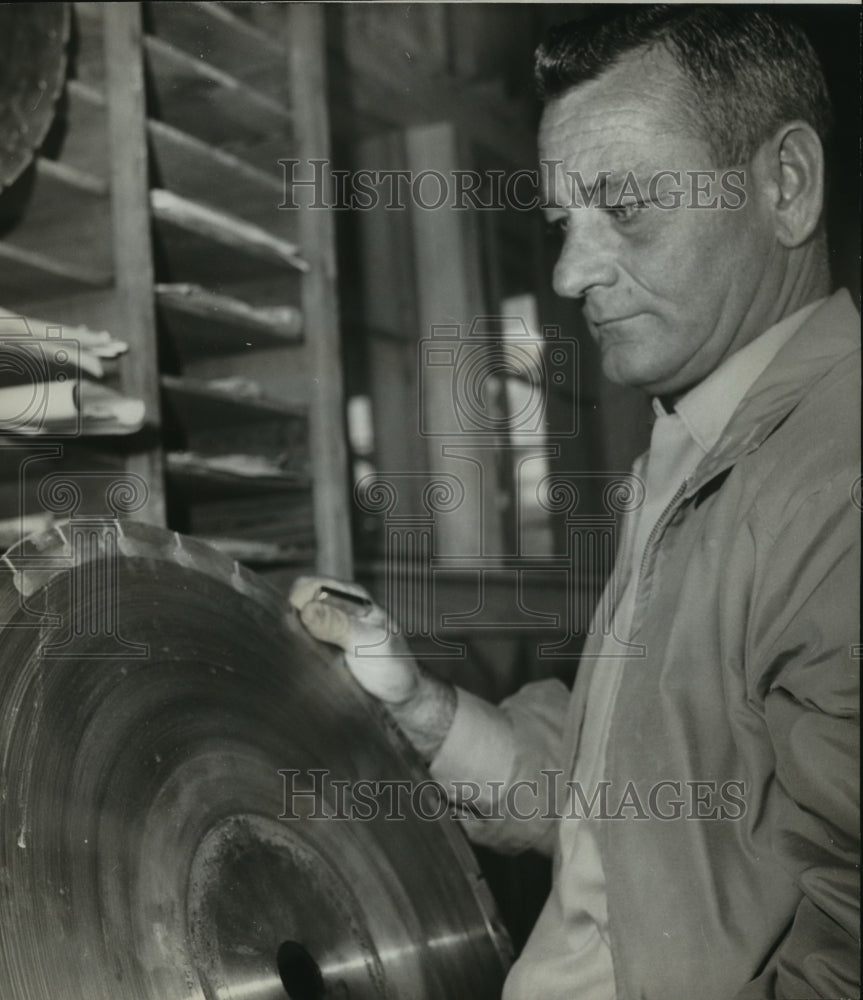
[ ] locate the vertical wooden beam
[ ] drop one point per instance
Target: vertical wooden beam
(447, 251)
(319, 295)
(385, 277)
(133, 252)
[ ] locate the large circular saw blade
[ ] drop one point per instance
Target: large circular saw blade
(161, 717)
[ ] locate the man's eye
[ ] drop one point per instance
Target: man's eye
(629, 211)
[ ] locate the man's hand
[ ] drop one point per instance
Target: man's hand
(388, 670)
(378, 657)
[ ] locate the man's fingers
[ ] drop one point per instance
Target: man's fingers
(327, 623)
(307, 588)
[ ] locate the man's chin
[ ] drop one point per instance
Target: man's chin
(624, 368)
(625, 372)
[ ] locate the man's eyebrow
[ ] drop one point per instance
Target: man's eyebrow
(640, 174)
(599, 186)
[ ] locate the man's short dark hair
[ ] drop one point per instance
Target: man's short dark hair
(750, 70)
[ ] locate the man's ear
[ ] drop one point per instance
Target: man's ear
(793, 165)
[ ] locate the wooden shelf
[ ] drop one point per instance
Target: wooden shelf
(200, 322)
(154, 212)
(208, 31)
(62, 175)
(89, 63)
(203, 485)
(185, 90)
(83, 140)
(32, 276)
(63, 220)
(207, 247)
(196, 403)
(254, 554)
(199, 171)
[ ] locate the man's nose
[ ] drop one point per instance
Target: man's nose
(584, 262)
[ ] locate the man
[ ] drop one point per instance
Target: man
(728, 867)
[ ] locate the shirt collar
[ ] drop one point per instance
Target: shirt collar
(708, 407)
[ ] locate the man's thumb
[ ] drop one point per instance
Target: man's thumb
(327, 623)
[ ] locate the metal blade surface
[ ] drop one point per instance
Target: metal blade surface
(151, 692)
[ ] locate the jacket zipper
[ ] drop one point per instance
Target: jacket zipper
(656, 529)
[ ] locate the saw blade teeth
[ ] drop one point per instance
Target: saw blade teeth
(161, 791)
(240, 580)
(37, 559)
(180, 553)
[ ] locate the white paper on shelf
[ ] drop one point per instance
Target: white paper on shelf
(244, 466)
(61, 407)
(284, 319)
(99, 343)
(46, 351)
(237, 387)
(102, 405)
(32, 407)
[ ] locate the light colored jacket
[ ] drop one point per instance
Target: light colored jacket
(748, 609)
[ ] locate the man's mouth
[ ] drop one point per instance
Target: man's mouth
(601, 321)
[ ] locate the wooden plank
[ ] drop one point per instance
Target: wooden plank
(201, 485)
(85, 131)
(230, 232)
(449, 277)
(200, 404)
(72, 178)
(89, 52)
(95, 309)
(259, 553)
(200, 322)
(131, 232)
(28, 276)
(288, 516)
(184, 92)
(216, 259)
(282, 373)
(385, 248)
(204, 173)
(320, 299)
(66, 216)
(208, 31)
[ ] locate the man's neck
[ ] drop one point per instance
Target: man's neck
(806, 282)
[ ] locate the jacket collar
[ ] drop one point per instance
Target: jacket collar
(829, 334)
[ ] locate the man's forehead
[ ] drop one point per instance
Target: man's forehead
(625, 111)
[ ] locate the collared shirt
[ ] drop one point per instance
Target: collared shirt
(568, 955)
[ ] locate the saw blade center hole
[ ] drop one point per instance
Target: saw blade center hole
(299, 972)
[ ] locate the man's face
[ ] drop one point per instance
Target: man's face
(668, 292)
